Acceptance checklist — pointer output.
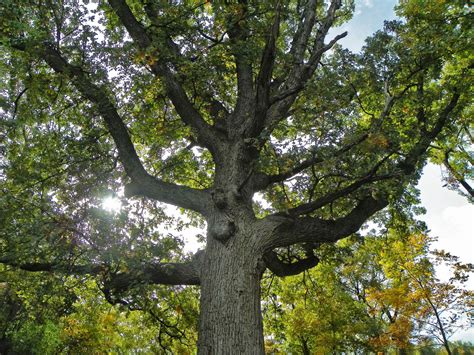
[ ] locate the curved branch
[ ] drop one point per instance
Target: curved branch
(280, 268)
(457, 175)
(98, 96)
(368, 178)
(262, 181)
(284, 230)
(287, 230)
(142, 183)
(312, 206)
(186, 110)
(408, 165)
(17, 100)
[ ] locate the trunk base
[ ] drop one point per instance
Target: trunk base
(230, 319)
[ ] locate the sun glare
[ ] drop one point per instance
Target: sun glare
(111, 204)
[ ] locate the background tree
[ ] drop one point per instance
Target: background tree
(314, 312)
(31, 308)
(377, 293)
(448, 304)
(206, 106)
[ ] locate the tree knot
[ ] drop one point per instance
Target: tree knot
(222, 229)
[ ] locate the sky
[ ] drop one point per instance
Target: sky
(368, 18)
(449, 217)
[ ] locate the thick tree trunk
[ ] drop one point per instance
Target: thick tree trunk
(230, 319)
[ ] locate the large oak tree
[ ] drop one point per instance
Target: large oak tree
(244, 114)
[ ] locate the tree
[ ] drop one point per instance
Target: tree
(374, 293)
(213, 108)
(447, 303)
(315, 312)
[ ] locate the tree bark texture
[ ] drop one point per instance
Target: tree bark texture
(230, 319)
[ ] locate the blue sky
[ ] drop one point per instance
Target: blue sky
(368, 17)
(449, 216)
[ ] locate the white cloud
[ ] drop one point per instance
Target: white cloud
(459, 215)
(449, 217)
(465, 335)
(368, 3)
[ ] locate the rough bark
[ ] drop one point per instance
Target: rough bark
(230, 319)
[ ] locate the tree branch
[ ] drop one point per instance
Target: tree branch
(262, 181)
(238, 33)
(284, 229)
(370, 177)
(287, 230)
(165, 274)
(457, 176)
(265, 74)
(185, 109)
(303, 32)
(142, 183)
(312, 206)
(302, 71)
(280, 268)
(409, 164)
(319, 47)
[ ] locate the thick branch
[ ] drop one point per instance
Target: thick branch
(319, 47)
(186, 110)
(268, 57)
(165, 274)
(238, 33)
(302, 35)
(302, 71)
(177, 195)
(142, 183)
(265, 75)
(107, 110)
(287, 230)
(280, 268)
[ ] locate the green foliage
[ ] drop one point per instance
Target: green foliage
(79, 319)
(34, 338)
(452, 20)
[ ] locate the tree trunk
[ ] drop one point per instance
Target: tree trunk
(230, 319)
